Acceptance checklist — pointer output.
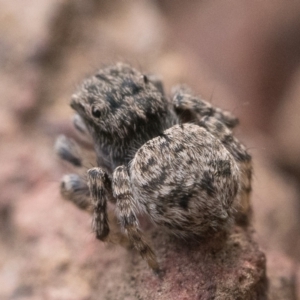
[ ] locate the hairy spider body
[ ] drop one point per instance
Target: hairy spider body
(176, 162)
(185, 180)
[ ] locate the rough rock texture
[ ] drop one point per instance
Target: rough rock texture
(47, 249)
(209, 270)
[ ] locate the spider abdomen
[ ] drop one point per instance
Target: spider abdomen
(186, 180)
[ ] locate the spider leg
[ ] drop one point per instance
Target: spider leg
(99, 185)
(126, 214)
(82, 130)
(80, 125)
(242, 158)
(190, 108)
(74, 188)
(67, 149)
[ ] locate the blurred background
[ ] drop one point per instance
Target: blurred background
(240, 55)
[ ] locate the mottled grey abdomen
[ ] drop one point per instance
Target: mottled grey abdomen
(186, 180)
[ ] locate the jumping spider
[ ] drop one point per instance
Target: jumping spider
(176, 162)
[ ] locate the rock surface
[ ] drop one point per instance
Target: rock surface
(66, 262)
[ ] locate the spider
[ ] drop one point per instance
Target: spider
(175, 161)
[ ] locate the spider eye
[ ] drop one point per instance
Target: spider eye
(96, 112)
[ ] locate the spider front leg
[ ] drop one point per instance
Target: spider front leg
(100, 190)
(127, 217)
(82, 130)
(74, 188)
(190, 108)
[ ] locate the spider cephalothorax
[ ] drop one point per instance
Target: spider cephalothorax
(176, 162)
(122, 109)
